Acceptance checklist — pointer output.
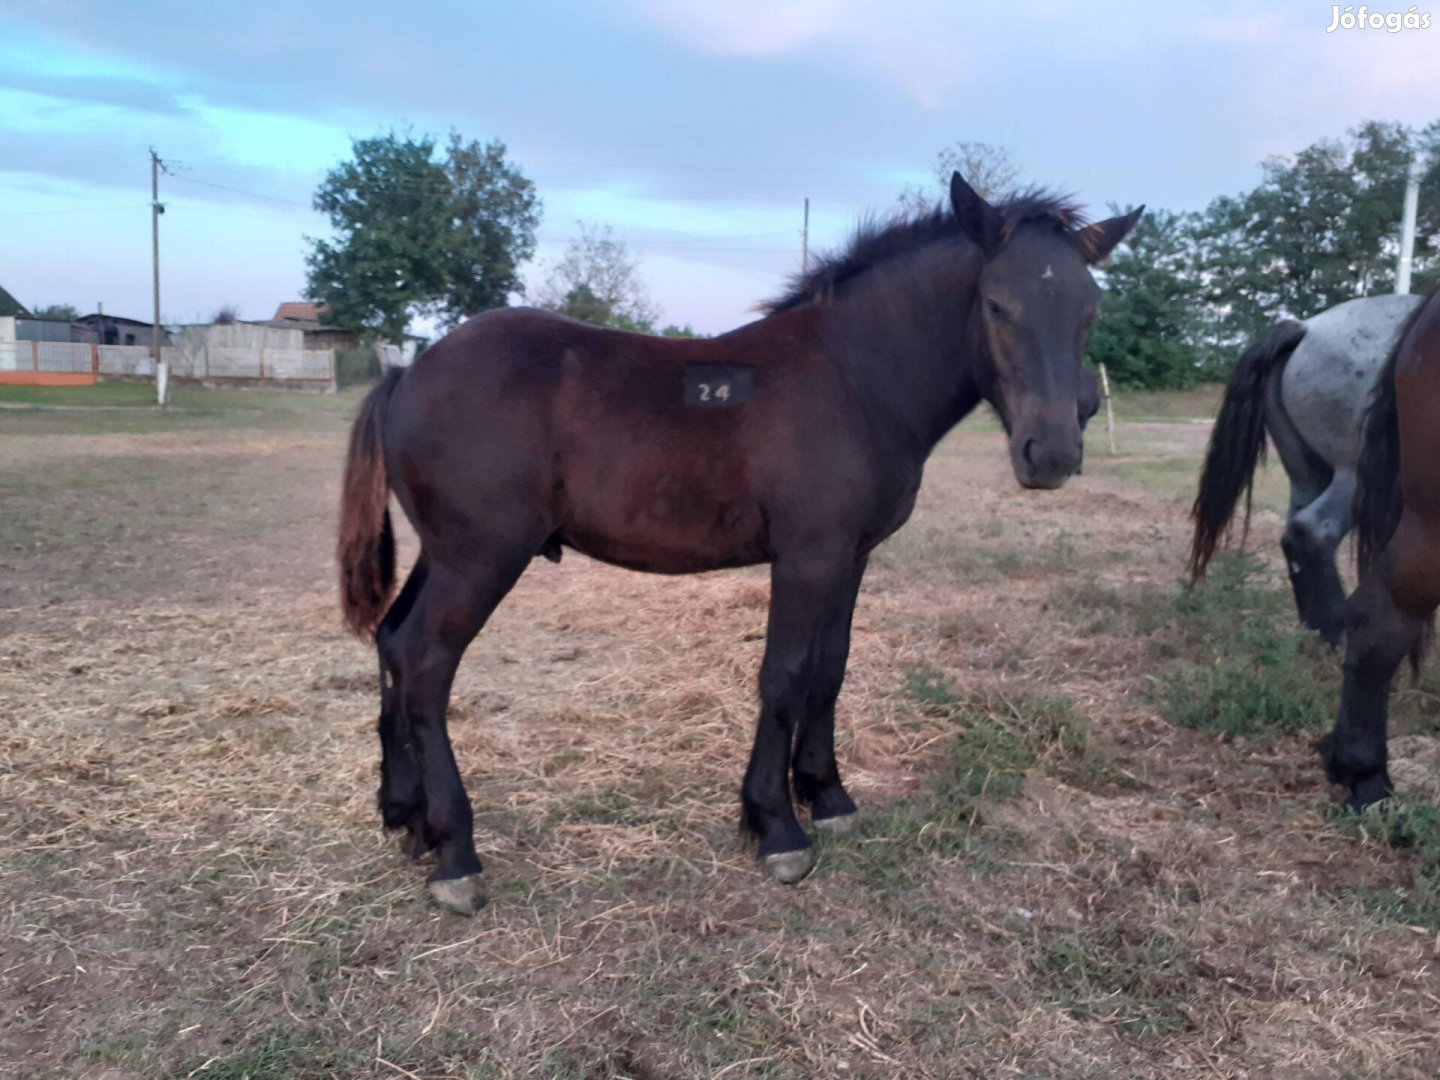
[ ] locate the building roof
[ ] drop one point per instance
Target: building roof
(300, 311)
(91, 320)
(10, 306)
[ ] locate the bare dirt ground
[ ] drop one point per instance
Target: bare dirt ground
(1056, 879)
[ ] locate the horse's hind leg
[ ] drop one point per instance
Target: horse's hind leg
(448, 613)
(1311, 539)
(1378, 636)
(401, 796)
(802, 591)
(816, 773)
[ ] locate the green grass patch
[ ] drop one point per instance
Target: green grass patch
(1242, 664)
(1134, 981)
(613, 806)
(1409, 828)
(129, 408)
(108, 395)
(1200, 402)
(996, 741)
(280, 1057)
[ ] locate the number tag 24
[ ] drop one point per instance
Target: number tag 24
(718, 385)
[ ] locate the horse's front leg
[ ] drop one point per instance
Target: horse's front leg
(802, 590)
(1378, 636)
(816, 772)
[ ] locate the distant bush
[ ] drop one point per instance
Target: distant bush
(356, 365)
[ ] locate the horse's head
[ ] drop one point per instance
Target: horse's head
(1035, 302)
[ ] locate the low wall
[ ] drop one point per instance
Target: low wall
(284, 366)
(46, 378)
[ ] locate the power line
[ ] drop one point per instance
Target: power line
(238, 191)
(75, 210)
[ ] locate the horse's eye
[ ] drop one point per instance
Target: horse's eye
(994, 308)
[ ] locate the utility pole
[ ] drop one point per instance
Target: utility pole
(1407, 227)
(805, 241)
(162, 381)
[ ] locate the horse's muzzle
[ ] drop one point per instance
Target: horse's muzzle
(1045, 462)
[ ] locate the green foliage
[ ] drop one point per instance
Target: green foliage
(414, 234)
(1149, 318)
(1187, 291)
(1321, 228)
(1254, 670)
(59, 312)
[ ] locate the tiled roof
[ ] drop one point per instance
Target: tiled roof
(299, 311)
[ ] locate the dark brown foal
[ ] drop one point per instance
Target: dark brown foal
(798, 441)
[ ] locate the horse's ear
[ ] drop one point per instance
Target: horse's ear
(976, 217)
(1094, 242)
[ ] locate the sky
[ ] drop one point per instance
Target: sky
(695, 128)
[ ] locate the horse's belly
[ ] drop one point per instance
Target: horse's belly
(667, 521)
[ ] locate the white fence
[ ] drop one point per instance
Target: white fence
(298, 365)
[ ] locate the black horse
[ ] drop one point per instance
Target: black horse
(797, 440)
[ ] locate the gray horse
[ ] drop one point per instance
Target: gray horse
(1308, 384)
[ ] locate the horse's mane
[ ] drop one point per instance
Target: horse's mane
(879, 239)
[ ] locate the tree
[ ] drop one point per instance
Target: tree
(415, 235)
(1150, 321)
(988, 169)
(1321, 228)
(58, 312)
(226, 315)
(598, 281)
(496, 211)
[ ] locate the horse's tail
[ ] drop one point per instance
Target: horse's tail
(1378, 503)
(365, 546)
(1237, 443)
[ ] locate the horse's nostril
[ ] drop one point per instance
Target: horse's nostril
(1028, 455)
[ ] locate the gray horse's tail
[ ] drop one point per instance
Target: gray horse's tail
(1237, 443)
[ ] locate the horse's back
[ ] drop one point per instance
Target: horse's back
(1330, 378)
(602, 435)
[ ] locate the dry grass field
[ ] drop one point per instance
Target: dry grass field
(1097, 842)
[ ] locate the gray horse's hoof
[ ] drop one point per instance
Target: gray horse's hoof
(462, 895)
(838, 825)
(789, 867)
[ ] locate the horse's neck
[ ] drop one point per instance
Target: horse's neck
(907, 343)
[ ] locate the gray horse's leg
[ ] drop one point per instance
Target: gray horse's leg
(1310, 542)
(1312, 529)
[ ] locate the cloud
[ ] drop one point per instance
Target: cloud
(112, 91)
(746, 27)
(921, 47)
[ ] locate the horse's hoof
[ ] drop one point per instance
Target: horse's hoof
(838, 825)
(462, 895)
(789, 867)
